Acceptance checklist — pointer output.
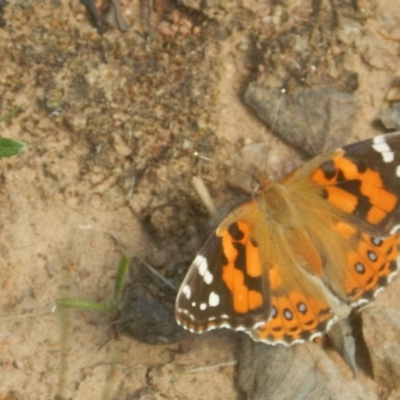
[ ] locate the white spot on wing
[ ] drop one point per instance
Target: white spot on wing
(288, 315)
(187, 292)
(201, 263)
(202, 266)
(208, 278)
(398, 171)
(203, 306)
(213, 299)
(379, 291)
(376, 241)
(380, 145)
(395, 229)
(191, 316)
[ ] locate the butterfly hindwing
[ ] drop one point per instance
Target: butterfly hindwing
(371, 267)
(360, 188)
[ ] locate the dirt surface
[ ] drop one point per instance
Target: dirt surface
(112, 121)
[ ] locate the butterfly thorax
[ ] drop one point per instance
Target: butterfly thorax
(275, 203)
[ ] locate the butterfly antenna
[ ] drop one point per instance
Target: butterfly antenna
(197, 154)
(274, 121)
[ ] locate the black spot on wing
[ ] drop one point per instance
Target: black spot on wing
(235, 232)
(329, 169)
(361, 167)
(363, 202)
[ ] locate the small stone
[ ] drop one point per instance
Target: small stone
(380, 58)
(336, 51)
(175, 16)
(165, 28)
(380, 330)
(313, 120)
(184, 30)
(18, 364)
(76, 122)
(185, 21)
(390, 117)
(243, 46)
(196, 30)
(105, 184)
(393, 94)
(121, 147)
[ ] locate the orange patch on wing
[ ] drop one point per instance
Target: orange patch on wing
(255, 299)
(229, 250)
(253, 260)
(347, 167)
(372, 187)
(244, 300)
(275, 279)
(344, 229)
(376, 215)
(369, 176)
(386, 201)
(341, 199)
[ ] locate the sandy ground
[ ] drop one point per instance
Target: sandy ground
(112, 122)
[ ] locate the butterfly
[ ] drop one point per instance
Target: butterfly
(279, 265)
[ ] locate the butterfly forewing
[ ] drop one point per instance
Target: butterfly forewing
(362, 181)
(224, 286)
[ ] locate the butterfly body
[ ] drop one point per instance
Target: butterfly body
(325, 235)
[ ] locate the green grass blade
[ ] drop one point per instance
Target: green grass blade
(83, 304)
(10, 147)
(120, 281)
